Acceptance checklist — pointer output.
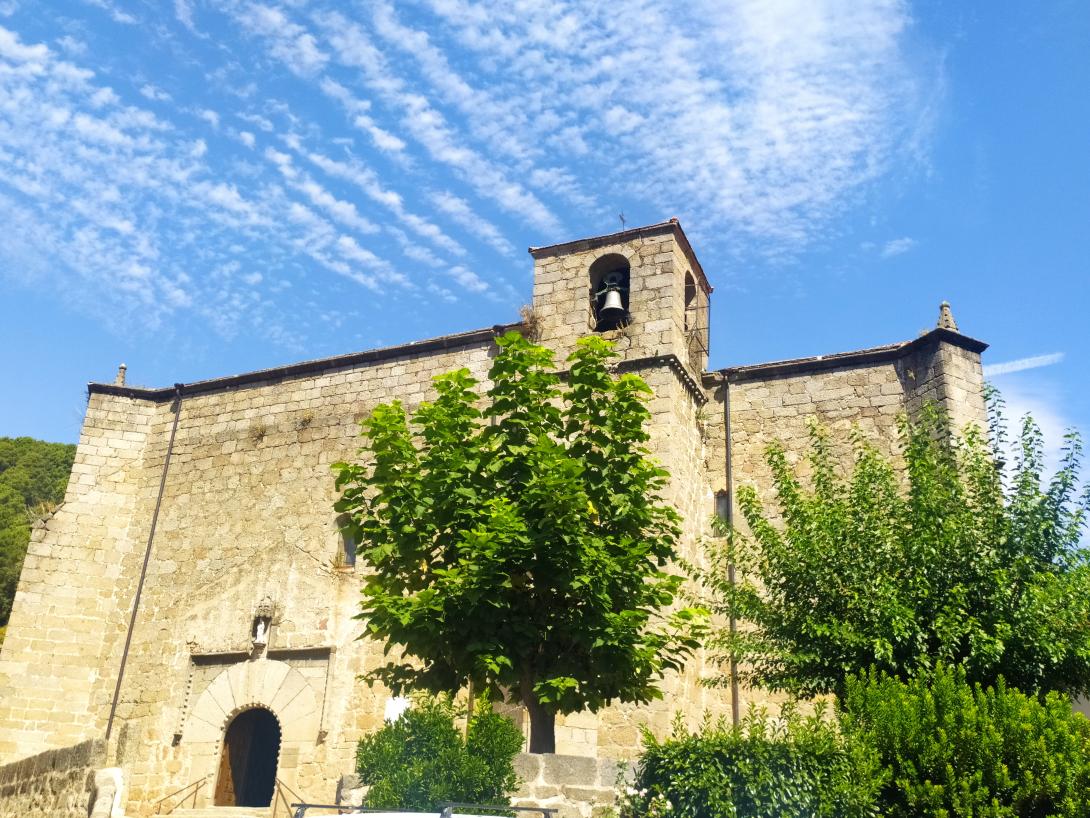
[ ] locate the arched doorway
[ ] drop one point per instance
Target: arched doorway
(247, 773)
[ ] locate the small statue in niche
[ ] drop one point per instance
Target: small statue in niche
(262, 622)
(261, 631)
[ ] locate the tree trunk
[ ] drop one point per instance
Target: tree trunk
(542, 728)
(542, 720)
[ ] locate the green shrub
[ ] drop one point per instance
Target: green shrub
(421, 759)
(953, 749)
(764, 768)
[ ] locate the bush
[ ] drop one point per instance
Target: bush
(954, 749)
(421, 759)
(764, 768)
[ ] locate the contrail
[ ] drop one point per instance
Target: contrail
(991, 370)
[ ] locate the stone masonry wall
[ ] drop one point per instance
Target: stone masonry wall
(951, 376)
(862, 396)
(781, 409)
(54, 784)
(247, 514)
(658, 266)
(57, 664)
(247, 522)
(576, 786)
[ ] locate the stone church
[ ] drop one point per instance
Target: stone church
(192, 601)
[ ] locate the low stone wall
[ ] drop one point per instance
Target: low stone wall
(577, 786)
(53, 784)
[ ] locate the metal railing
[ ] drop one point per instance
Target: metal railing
(280, 794)
(445, 809)
(190, 790)
(301, 808)
(696, 342)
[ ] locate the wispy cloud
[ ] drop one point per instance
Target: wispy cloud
(462, 214)
(125, 211)
(1041, 400)
(357, 109)
(183, 11)
(429, 127)
(289, 42)
(766, 115)
(424, 143)
(116, 14)
(897, 247)
(368, 181)
(343, 211)
(153, 93)
(1022, 364)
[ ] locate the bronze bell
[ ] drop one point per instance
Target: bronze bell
(612, 308)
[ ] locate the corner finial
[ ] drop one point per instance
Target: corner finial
(946, 317)
(120, 379)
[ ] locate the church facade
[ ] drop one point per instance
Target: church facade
(194, 602)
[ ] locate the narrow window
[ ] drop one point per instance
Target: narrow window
(346, 556)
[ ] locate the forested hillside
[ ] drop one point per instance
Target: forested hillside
(33, 476)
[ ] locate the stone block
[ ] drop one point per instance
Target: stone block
(589, 795)
(542, 792)
(565, 769)
(613, 773)
(528, 767)
(350, 790)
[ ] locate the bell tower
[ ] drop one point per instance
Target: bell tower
(642, 288)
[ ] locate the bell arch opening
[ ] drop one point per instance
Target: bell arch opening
(610, 278)
(696, 323)
(248, 760)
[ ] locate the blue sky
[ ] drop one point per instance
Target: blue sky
(203, 188)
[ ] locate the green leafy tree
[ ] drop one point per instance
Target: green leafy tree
(955, 750)
(522, 547)
(33, 477)
(954, 558)
(421, 759)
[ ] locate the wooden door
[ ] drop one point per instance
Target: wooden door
(225, 782)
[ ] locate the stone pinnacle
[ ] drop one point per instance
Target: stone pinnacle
(946, 317)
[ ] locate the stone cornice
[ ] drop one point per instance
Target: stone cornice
(263, 377)
(818, 363)
(673, 363)
(593, 242)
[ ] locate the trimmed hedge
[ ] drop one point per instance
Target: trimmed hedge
(956, 750)
(794, 767)
(421, 759)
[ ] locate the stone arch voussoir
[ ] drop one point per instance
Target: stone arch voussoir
(269, 684)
